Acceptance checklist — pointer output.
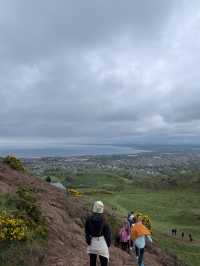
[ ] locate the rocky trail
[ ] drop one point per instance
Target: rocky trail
(65, 216)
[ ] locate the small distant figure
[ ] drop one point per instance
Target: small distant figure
(190, 238)
(174, 232)
(182, 235)
(131, 218)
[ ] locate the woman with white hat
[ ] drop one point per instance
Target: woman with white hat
(98, 235)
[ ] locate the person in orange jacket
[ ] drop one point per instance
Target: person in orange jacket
(139, 233)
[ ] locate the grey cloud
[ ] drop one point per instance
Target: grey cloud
(102, 70)
(33, 29)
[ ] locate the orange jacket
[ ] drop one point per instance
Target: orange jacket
(139, 229)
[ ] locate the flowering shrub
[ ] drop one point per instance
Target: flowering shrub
(74, 192)
(145, 220)
(12, 228)
(14, 163)
(27, 223)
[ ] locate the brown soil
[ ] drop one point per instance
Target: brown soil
(65, 216)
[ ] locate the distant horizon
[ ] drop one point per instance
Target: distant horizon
(60, 144)
(94, 150)
(69, 150)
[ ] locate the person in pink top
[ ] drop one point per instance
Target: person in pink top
(124, 235)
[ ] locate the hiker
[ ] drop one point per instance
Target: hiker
(182, 235)
(190, 238)
(174, 232)
(128, 216)
(139, 233)
(98, 235)
(131, 220)
(124, 235)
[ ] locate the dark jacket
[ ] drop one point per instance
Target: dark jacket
(96, 226)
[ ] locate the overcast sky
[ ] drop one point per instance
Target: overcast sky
(99, 71)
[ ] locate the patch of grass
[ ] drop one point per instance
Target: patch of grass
(87, 191)
(22, 253)
(99, 179)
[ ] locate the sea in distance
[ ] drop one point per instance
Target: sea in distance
(68, 150)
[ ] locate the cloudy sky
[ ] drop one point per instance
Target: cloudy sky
(99, 71)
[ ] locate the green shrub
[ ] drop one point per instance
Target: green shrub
(14, 163)
(48, 179)
(26, 202)
(114, 225)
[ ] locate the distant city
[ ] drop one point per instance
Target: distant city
(152, 161)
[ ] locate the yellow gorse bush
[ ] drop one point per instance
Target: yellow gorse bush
(12, 228)
(145, 220)
(74, 192)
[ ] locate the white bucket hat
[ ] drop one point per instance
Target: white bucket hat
(98, 207)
